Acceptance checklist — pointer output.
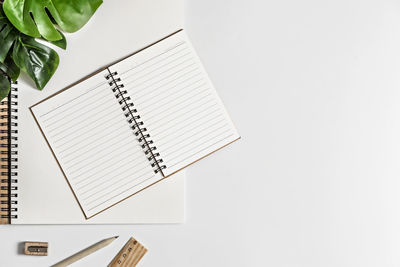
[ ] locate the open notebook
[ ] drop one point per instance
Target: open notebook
(40, 194)
(134, 123)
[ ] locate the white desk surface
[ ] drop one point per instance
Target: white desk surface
(314, 89)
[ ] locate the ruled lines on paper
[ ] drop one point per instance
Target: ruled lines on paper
(183, 120)
(94, 145)
(177, 102)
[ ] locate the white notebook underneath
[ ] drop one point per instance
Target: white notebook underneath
(134, 123)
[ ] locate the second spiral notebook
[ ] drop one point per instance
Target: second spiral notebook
(134, 123)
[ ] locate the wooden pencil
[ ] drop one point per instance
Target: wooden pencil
(87, 251)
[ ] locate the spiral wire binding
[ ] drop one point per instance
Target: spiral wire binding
(8, 156)
(135, 122)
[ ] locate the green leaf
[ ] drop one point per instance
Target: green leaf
(5, 86)
(8, 34)
(10, 68)
(37, 60)
(62, 43)
(36, 17)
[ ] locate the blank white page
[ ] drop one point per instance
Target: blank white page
(177, 102)
(94, 145)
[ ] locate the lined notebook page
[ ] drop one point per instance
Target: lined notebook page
(93, 144)
(176, 101)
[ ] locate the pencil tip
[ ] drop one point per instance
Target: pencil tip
(116, 237)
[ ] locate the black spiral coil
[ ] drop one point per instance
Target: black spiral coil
(8, 155)
(135, 122)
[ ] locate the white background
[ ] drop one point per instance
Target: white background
(314, 89)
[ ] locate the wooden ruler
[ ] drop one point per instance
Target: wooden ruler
(129, 255)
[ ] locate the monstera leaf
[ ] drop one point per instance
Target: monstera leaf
(37, 60)
(62, 43)
(21, 21)
(19, 51)
(37, 18)
(5, 86)
(10, 69)
(8, 34)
